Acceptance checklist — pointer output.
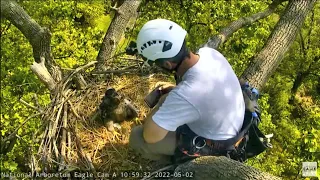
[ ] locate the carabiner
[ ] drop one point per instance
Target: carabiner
(196, 144)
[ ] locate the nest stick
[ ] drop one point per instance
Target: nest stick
(79, 147)
(115, 148)
(95, 153)
(68, 78)
(43, 139)
(55, 148)
(89, 161)
(86, 94)
(115, 71)
(55, 124)
(73, 110)
(69, 145)
(64, 134)
(48, 151)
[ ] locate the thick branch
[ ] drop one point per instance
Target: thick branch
(226, 32)
(38, 37)
(285, 32)
(115, 31)
(221, 168)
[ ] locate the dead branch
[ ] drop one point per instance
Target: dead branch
(43, 74)
(226, 32)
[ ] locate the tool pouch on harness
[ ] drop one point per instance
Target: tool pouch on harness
(248, 143)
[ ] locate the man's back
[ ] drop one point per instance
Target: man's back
(208, 99)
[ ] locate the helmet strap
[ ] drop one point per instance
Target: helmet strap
(177, 78)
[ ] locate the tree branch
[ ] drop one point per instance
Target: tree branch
(283, 35)
(39, 39)
(226, 32)
(115, 31)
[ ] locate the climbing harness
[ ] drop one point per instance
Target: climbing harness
(248, 143)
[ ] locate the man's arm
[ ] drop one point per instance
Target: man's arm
(152, 132)
(150, 126)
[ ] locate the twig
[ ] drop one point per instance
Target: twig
(55, 148)
(90, 163)
(131, 59)
(43, 139)
(35, 98)
(68, 69)
(73, 110)
(68, 78)
(61, 164)
(85, 95)
(29, 105)
(69, 145)
(114, 71)
(159, 170)
(55, 123)
(12, 135)
(95, 152)
(114, 147)
(79, 147)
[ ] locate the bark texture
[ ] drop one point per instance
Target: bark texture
(115, 31)
(226, 32)
(222, 168)
(283, 35)
(38, 37)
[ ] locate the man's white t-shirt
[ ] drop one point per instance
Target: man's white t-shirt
(208, 99)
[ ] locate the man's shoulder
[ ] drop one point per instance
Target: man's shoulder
(207, 49)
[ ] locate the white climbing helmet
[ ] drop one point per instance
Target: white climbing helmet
(160, 38)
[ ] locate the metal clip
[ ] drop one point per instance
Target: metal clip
(196, 144)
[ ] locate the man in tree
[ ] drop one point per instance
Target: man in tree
(207, 100)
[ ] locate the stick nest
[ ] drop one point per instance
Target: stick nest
(88, 144)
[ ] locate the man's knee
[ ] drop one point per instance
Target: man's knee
(136, 137)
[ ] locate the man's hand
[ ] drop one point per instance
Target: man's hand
(165, 87)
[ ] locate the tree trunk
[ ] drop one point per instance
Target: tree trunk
(221, 168)
(226, 32)
(38, 37)
(283, 35)
(115, 31)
